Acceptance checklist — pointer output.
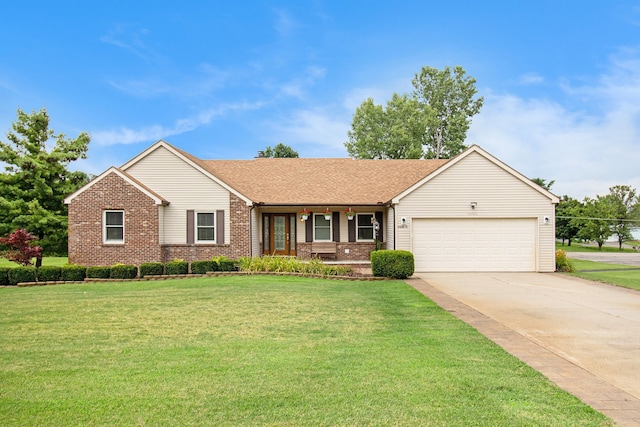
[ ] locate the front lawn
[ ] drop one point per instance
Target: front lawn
(259, 350)
(616, 274)
(608, 247)
(48, 260)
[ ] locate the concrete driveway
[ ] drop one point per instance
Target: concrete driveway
(590, 326)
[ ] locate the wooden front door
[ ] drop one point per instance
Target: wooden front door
(279, 234)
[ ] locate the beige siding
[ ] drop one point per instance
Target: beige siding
(389, 229)
(161, 210)
(256, 232)
(344, 227)
(193, 190)
(498, 194)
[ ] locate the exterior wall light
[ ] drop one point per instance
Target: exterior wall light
(473, 205)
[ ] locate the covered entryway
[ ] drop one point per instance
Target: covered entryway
(279, 234)
(474, 244)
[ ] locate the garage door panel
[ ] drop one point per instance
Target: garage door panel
(474, 244)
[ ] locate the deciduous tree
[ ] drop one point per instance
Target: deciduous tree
(21, 247)
(432, 122)
(594, 221)
(543, 183)
(36, 179)
(446, 96)
(392, 132)
(624, 201)
(280, 151)
(566, 228)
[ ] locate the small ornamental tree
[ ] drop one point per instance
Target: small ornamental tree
(21, 247)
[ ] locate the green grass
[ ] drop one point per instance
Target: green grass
(48, 260)
(578, 247)
(259, 350)
(615, 274)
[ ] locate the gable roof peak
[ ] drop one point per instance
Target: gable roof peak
(158, 199)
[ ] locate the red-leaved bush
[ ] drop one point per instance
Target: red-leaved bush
(21, 247)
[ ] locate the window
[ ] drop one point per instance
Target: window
(322, 228)
(205, 227)
(364, 223)
(113, 227)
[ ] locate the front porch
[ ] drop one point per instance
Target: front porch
(334, 233)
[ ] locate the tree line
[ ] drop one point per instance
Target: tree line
(598, 218)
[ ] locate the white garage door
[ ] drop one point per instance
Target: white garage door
(474, 244)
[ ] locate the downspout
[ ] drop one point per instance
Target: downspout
(394, 226)
(251, 230)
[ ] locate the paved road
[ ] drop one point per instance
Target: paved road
(625, 258)
(594, 326)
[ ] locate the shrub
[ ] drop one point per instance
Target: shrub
(277, 264)
(73, 273)
(49, 273)
(123, 271)
(176, 267)
(225, 264)
(202, 267)
(562, 262)
(151, 269)
(21, 275)
(396, 264)
(4, 276)
(98, 272)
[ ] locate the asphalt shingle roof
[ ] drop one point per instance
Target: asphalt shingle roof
(314, 181)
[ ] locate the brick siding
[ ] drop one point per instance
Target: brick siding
(140, 225)
(239, 234)
(358, 251)
(141, 216)
(141, 228)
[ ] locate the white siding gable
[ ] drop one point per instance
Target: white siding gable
(184, 187)
(497, 192)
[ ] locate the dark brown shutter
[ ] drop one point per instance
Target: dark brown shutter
(381, 230)
(190, 228)
(336, 226)
(351, 229)
(220, 227)
(308, 228)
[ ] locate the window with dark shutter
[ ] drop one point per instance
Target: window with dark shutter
(205, 227)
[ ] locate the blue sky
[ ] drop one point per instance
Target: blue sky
(222, 80)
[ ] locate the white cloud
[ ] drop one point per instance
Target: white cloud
(530, 79)
(585, 153)
(323, 133)
(151, 133)
(131, 40)
(356, 97)
(285, 24)
(206, 80)
(297, 87)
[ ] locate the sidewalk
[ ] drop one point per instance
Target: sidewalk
(619, 405)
